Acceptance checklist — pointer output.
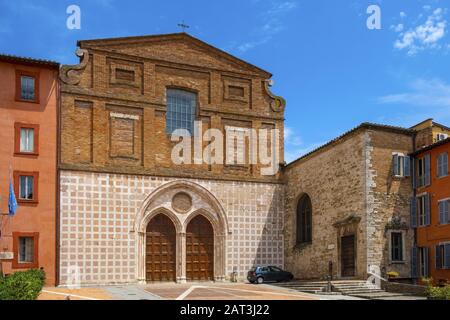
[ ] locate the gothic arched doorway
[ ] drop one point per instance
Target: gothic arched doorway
(160, 250)
(199, 249)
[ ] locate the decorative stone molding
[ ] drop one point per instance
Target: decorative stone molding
(70, 74)
(396, 223)
(182, 202)
(350, 219)
(279, 104)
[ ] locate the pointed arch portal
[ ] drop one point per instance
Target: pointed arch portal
(181, 245)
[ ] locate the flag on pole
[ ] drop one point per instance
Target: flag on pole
(12, 202)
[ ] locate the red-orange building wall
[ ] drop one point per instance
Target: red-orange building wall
(435, 233)
(31, 218)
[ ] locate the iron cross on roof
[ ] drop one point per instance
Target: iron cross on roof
(183, 26)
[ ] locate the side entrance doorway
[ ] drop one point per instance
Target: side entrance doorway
(348, 256)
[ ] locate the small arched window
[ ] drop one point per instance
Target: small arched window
(181, 110)
(304, 220)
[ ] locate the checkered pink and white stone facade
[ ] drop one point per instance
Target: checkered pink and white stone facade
(98, 224)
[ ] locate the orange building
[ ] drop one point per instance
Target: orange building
(430, 212)
(28, 149)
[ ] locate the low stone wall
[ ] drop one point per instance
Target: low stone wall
(406, 288)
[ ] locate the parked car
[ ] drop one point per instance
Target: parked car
(262, 274)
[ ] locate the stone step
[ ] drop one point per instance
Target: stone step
(352, 288)
(361, 291)
(377, 295)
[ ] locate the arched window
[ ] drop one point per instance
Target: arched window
(181, 110)
(304, 220)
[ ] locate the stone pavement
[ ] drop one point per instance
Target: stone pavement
(173, 291)
(224, 291)
(52, 293)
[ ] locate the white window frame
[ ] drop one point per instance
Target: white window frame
(26, 186)
(401, 163)
(30, 148)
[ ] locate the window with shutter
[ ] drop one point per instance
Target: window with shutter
(401, 165)
(447, 256)
(423, 210)
(424, 262)
(439, 251)
(420, 173)
(444, 214)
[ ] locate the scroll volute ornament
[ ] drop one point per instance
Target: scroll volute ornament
(71, 74)
(278, 104)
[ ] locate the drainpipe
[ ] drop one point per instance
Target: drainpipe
(57, 185)
(413, 182)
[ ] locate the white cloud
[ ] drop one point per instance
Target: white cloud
(423, 36)
(402, 14)
(291, 137)
(294, 145)
(398, 28)
(425, 93)
(272, 23)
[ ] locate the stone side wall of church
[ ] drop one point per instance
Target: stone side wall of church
(352, 177)
(334, 180)
(98, 211)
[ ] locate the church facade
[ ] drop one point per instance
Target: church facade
(127, 212)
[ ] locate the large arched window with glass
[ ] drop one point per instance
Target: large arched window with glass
(181, 110)
(304, 220)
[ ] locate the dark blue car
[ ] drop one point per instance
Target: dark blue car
(268, 274)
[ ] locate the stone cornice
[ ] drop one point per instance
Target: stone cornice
(178, 174)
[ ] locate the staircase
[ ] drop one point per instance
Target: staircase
(353, 288)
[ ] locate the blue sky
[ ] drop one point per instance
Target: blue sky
(333, 71)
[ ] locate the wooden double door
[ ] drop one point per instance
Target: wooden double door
(161, 249)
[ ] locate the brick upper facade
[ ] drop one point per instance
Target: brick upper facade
(230, 93)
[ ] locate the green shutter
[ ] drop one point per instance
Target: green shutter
(414, 270)
(413, 212)
(438, 257)
(427, 160)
